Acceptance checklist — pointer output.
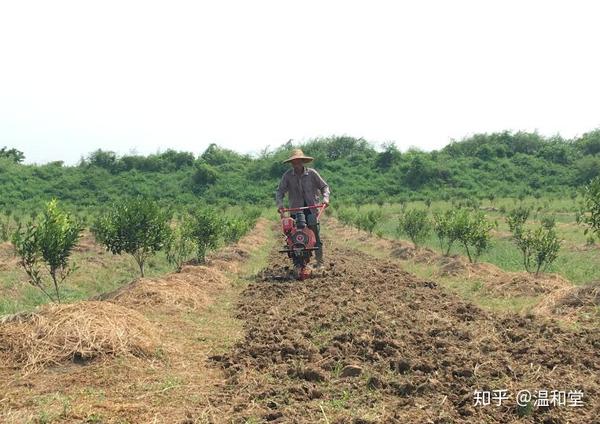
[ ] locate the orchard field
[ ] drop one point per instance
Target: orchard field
(141, 309)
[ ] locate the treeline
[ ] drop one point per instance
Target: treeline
(507, 164)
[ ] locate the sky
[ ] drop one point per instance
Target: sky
(142, 77)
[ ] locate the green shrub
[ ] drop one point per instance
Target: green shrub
(180, 248)
(347, 216)
(415, 224)
(235, 228)
(136, 226)
(369, 220)
(51, 241)
(476, 236)
(548, 222)
(590, 214)
(449, 227)
(470, 229)
(7, 227)
(539, 248)
(517, 218)
(205, 227)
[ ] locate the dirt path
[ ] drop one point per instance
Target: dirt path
(369, 343)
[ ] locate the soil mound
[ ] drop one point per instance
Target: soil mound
(76, 332)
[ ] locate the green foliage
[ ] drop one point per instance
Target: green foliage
(204, 176)
(586, 169)
(470, 229)
(347, 216)
(449, 226)
(180, 247)
(136, 226)
(477, 236)
(13, 155)
(205, 227)
(548, 222)
(368, 221)
(517, 218)
(103, 159)
(590, 214)
(389, 157)
(7, 227)
(506, 164)
(415, 224)
(539, 247)
(589, 143)
(50, 242)
(235, 228)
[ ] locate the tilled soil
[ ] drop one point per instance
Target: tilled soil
(366, 342)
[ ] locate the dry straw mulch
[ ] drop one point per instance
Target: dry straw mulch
(192, 288)
(571, 302)
(80, 331)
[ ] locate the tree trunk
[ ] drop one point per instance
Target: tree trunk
(468, 253)
(53, 274)
(141, 265)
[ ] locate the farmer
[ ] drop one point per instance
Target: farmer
(303, 186)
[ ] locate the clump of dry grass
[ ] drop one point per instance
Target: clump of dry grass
(202, 276)
(175, 292)
(81, 331)
(573, 304)
(588, 295)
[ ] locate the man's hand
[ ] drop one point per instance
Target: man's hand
(280, 210)
(326, 203)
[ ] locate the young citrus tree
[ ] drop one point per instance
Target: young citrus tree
(476, 238)
(234, 228)
(136, 226)
(369, 220)
(470, 229)
(539, 247)
(450, 226)
(347, 216)
(180, 247)
(590, 215)
(517, 218)
(205, 227)
(415, 224)
(48, 242)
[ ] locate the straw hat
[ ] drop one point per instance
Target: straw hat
(298, 154)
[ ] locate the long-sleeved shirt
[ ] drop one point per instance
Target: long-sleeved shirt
(303, 190)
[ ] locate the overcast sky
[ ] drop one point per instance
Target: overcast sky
(143, 76)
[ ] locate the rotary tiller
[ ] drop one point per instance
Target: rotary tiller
(300, 240)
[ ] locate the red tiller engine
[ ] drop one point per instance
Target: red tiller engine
(300, 240)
